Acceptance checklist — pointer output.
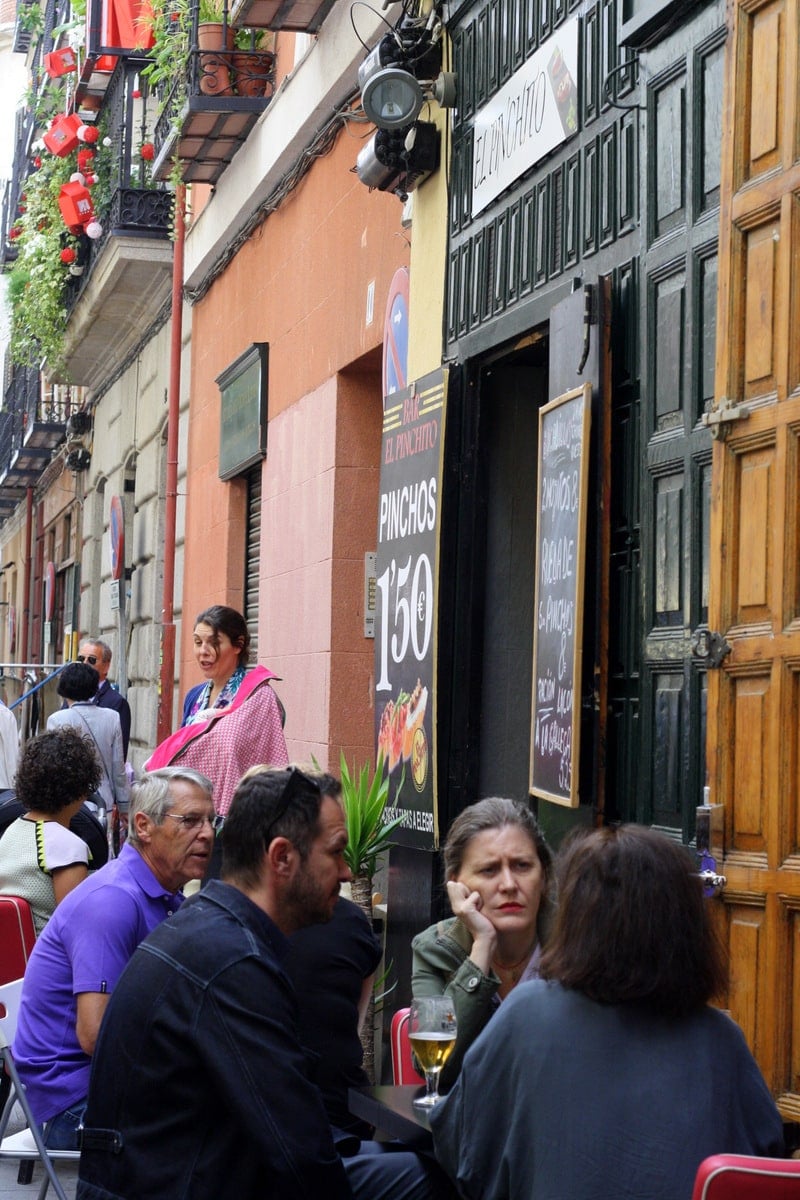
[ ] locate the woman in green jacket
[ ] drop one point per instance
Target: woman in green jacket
(499, 873)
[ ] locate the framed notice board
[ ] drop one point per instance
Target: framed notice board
(558, 609)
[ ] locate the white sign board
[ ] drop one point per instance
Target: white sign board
(533, 113)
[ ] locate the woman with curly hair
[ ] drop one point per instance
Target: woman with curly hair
(40, 858)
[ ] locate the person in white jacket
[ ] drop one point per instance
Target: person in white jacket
(77, 684)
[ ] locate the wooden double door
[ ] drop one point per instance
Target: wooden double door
(705, 488)
(754, 698)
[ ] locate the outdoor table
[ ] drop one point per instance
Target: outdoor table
(390, 1109)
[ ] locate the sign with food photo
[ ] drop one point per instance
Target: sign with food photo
(405, 614)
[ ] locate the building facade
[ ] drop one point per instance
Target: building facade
(610, 232)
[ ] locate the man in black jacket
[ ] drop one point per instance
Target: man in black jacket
(200, 1089)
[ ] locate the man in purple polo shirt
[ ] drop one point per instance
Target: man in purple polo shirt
(88, 941)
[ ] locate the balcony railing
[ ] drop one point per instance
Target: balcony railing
(32, 423)
(24, 129)
(213, 104)
(139, 207)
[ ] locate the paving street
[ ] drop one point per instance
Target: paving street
(11, 1190)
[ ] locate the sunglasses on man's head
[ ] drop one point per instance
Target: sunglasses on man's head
(91, 659)
(296, 785)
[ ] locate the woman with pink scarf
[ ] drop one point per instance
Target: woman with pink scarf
(232, 721)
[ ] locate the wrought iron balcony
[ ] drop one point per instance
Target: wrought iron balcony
(120, 280)
(210, 108)
(32, 424)
(24, 128)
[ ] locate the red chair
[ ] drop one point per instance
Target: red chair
(743, 1177)
(403, 1069)
(17, 937)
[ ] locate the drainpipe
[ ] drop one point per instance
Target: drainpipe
(167, 668)
(26, 586)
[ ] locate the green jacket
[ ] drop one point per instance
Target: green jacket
(442, 964)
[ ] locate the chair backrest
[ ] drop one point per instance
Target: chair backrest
(403, 1070)
(9, 1010)
(743, 1177)
(17, 937)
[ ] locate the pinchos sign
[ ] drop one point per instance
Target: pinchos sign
(409, 516)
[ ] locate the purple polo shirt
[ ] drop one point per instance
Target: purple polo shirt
(83, 948)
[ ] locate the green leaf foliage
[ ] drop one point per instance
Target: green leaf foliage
(365, 794)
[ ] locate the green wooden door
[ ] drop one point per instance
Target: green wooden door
(661, 491)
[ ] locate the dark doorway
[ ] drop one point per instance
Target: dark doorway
(512, 390)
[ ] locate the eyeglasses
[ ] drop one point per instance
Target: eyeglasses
(193, 821)
(91, 659)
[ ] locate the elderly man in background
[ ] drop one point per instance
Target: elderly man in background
(85, 946)
(98, 655)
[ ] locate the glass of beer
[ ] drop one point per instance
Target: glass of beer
(432, 1031)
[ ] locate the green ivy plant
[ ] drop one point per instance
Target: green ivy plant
(37, 284)
(167, 73)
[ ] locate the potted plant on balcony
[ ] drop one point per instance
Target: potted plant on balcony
(215, 41)
(253, 61)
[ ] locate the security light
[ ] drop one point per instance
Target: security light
(392, 98)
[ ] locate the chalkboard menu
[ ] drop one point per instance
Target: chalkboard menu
(560, 556)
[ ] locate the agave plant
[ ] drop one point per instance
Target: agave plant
(364, 796)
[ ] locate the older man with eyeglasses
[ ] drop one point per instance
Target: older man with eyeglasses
(84, 948)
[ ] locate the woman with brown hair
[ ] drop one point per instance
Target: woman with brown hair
(499, 874)
(614, 1075)
(232, 720)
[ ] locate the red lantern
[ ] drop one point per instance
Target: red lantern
(75, 204)
(68, 256)
(147, 151)
(88, 133)
(62, 136)
(60, 62)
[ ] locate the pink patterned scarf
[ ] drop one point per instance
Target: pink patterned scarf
(246, 733)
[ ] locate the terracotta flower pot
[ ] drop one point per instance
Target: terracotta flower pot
(252, 72)
(215, 60)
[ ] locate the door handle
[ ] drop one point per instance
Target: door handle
(712, 882)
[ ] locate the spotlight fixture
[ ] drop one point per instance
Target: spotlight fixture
(392, 98)
(78, 459)
(403, 71)
(399, 160)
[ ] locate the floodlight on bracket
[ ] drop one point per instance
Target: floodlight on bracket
(400, 73)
